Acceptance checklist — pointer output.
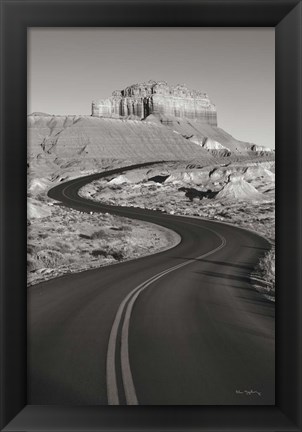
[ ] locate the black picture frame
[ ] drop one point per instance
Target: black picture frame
(16, 17)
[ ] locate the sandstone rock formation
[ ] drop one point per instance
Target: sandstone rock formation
(157, 98)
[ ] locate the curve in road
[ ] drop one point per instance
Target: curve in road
(183, 326)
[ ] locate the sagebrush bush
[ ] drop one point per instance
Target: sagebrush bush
(99, 252)
(117, 255)
(266, 268)
(98, 235)
(49, 258)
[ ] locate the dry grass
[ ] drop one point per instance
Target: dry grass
(70, 241)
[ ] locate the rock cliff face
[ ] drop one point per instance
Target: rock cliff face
(157, 98)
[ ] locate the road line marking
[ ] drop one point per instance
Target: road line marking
(112, 389)
(131, 397)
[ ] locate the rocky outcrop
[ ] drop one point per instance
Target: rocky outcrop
(261, 150)
(199, 132)
(209, 144)
(237, 189)
(159, 99)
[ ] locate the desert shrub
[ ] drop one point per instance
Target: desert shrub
(99, 252)
(266, 269)
(127, 228)
(31, 266)
(224, 214)
(31, 249)
(98, 235)
(42, 197)
(50, 258)
(117, 255)
(85, 236)
(42, 235)
(70, 259)
(61, 246)
(152, 188)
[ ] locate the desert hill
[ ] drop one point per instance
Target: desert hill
(86, 137)
(135, 140)
(202, 134)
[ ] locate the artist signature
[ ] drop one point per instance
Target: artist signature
(248, 392)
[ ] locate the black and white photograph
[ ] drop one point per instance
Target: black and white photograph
(151, 216)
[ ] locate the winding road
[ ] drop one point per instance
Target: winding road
(184, 326)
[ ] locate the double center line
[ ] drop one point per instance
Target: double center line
(122, 319)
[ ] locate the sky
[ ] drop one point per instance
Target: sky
(70, 67)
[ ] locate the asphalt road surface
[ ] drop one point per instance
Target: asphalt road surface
(184, 326)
